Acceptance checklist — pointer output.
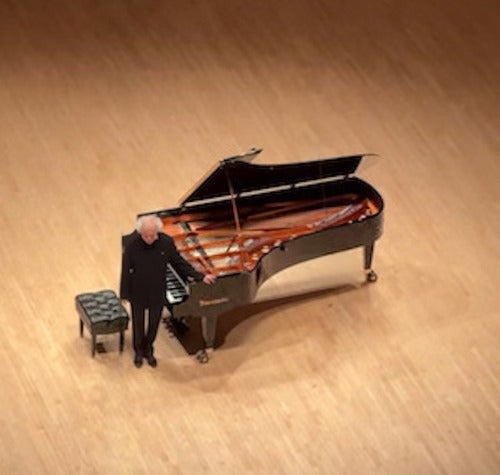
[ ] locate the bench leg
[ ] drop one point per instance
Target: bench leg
(121, 341)
(81, 328)
(93, 344)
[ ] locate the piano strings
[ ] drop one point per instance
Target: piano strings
(220, 242)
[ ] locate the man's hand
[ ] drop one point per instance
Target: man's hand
(209, 278)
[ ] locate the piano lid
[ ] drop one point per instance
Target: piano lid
(247, 177)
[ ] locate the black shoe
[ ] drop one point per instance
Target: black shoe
(152, 361)
(138, 361)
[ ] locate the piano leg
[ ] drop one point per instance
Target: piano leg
(371, 276)
(208, 327)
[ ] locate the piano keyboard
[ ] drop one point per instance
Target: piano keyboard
(177, 289)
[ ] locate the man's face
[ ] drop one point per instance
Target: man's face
(149, 232)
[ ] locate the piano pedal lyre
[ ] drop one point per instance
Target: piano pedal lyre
(177, 327)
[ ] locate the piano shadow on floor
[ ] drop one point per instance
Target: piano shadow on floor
(192, 340)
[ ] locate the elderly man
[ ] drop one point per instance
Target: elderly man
(143, 281)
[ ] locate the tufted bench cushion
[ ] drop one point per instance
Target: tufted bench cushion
(102, 312)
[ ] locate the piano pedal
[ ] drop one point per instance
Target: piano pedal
(177, 326)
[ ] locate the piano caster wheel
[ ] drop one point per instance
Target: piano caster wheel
(371, 276)
(202, 356)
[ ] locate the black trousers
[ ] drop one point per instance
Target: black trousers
(143, 339)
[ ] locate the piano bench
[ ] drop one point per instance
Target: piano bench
(102, 313)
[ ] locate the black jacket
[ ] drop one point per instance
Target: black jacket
(144, 268)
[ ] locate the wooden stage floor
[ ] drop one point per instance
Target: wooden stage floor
(120, 107)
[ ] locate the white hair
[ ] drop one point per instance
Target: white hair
(147, 217)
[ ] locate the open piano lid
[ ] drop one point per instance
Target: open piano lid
(247, 177)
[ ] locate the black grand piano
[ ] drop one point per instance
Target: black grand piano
(245, 222)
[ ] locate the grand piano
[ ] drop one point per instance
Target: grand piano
(245, 222)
